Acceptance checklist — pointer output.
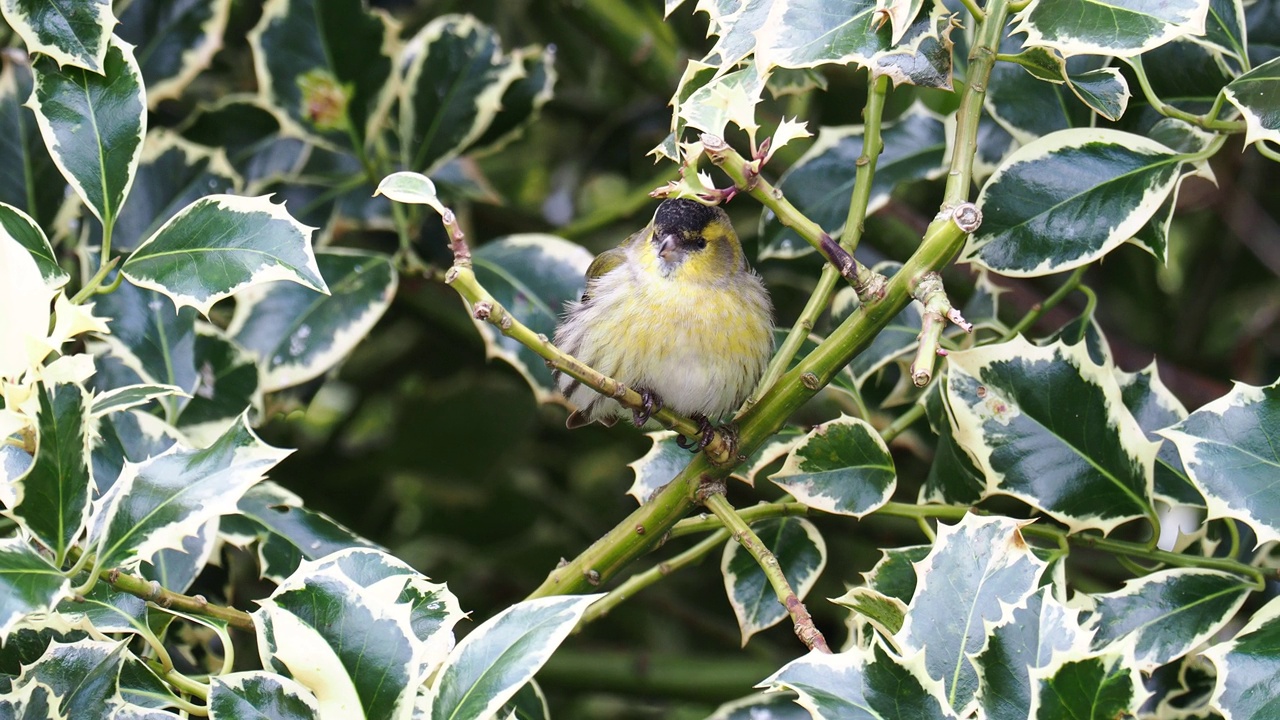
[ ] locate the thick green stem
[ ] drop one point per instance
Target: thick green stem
(195, 605)
(742, 532)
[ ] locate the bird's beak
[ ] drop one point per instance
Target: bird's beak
(668, 249)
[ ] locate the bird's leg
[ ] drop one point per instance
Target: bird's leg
(652, 403)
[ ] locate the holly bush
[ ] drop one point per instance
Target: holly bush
(962, 489)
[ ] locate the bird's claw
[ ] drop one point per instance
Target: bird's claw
(706, 433)
(651, 403)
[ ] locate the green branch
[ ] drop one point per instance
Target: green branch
(196, 605)
(742, 532)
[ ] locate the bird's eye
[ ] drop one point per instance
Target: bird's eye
(701, 243)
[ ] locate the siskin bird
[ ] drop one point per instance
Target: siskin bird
(674, 312)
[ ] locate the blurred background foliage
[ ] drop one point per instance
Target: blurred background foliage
(420, 444)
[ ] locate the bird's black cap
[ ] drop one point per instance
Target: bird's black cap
(680, 216)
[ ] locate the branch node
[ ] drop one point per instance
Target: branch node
(810, 381)
(482, 310)
(708, 487)
(639, 529)
(966, 216)
(592, 576)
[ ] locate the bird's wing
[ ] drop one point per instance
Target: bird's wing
(606, 261)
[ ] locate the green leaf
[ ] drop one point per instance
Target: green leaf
(172, 173)
(1122, 28)
(496, 659)
(532, 276)
(129, 396)
(93, 125)
(296, 334)
(1046, 425)
(1248, 667)
(1166, 614)
(28, 583)
(1255, 94)
(159, 502)
(228, 384)
(455, 75)
(809, 33)
(1069, 198)
(1029, 97)
(70, 32)
(976, 572)
(177, 568)
(1224, 29)
(1182, 73)
(1156, 408)
(802, 554)
(1034, 632)
(724, 99)
(258, 695)
(410, 187)
(234, 242)
(529, 703)
(1096, 687)
(821, 181)
(1231, 452)
(325, 65)
(53, 497)
(34, 184)
(840, 467)
(131, 435)
(894, 575)
(174, 41)
(885, 613)
(108, 610)
(861, 683)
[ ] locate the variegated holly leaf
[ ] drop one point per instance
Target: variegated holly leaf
(454, 76)
(1229, 450)
(34, 185)
(841, 466)
(1166, 614)
(657, 467)
(129, 396)
(532, 276)
(1036, 630)
(808, 33)
(954, 478)
(83, 676)
(1156, 408)
(801, 552)
(410, 187)
(325, 65)
(130, 435)
(884, 612)
(161, 501)
(149, 344)
(257, 694)
(976, 573)
(250, 136)
(1048, 426)
(174, 41)
(28, 583)
(297, 335)
(769, 452)
(22, 334)
(235, 242)
(1254, 93)
(177, 568)
(1184, 74)
(1248, 666)
(287, 532)
(894, 575)
(349, 639)
(725, 99)
(1093, 687)
(93, 124)
(529, 703)
(762, 706)
(496, 659)
(1224, 30)
(172, 173)
(1013, 96)
(108, 610)
(1122, 28)
(52, 499)
(820, 183)
(69, 32)
(861, 683)
(228, 383)
(20, 228)
(1069, 198)
(523, 99)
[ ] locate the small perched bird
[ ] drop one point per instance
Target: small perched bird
(675, 313)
